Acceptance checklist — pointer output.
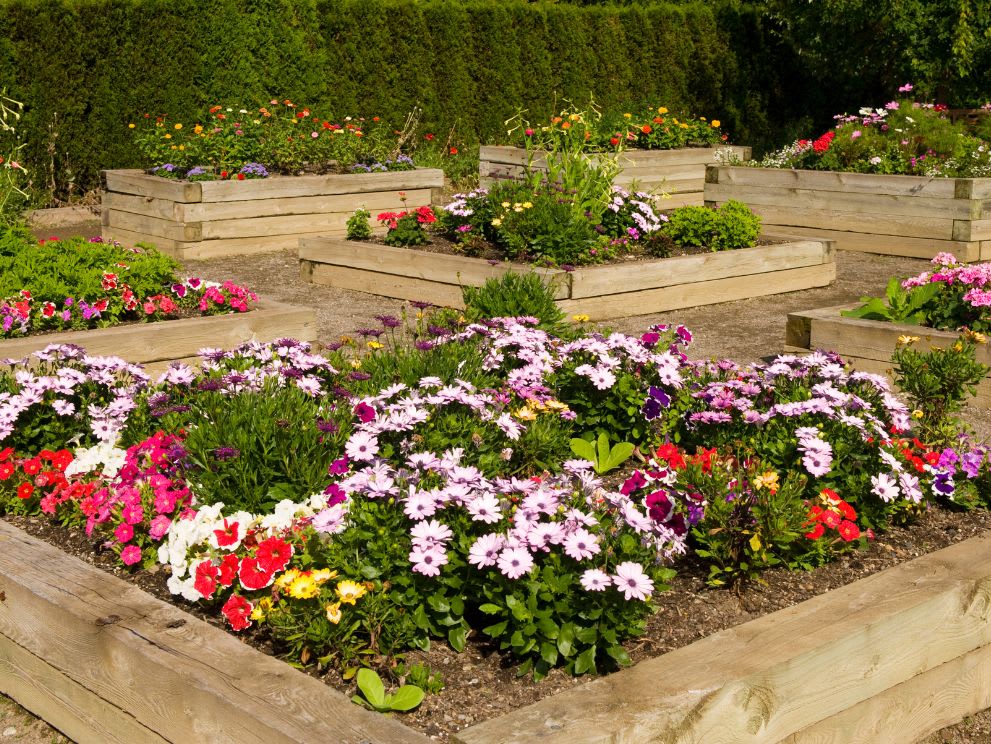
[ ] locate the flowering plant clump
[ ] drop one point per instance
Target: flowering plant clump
(73, 284)
(648, 129)
(233, 142)
(407, 228)
(367, 502)
(902, 137)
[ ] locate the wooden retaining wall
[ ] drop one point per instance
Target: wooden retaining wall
(155, 345)
(867, 345)
(885, 660)
(601, 292)
(912, 216)
(677, 173)
(206, 219)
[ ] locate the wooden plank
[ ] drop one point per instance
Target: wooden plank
(695, 294)
(772, 677)
(518, 156)
(432, 267)
(64, 703)
(387, 285)
(865, 183)
(177, 339)
(130, 239)
(141, 183)
(348, 183)
(980, 188)
(659, 185)
(139, 223)
(902, 226)
(804, 200)
(591, 281)
(247, 246)
(373, 201)
(886, 244)
(913, 709)
(972, 230)
(150, 659)
(664, 202)
(165, 209)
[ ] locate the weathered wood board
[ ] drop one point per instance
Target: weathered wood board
(208, 219)
(106, 662)
(867, 345)
(873, 656)
(601, 292)
(155, 345)
(678, 173)
(913, 216)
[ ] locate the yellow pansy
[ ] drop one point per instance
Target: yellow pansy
(662, 110)
(580, 318)
(627, 116)
(178, 127)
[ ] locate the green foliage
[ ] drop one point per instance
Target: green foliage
(421, 676)
(358, 227)
(471, 64)
(405, 230)
(898, 305)
(373, 694)
(731, 226)
(938, 382)
(603, 457)
(514, 295)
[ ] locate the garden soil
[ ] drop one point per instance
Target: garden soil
(479, 684)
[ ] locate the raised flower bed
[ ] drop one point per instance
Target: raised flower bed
(896, 215)
(902, 180)
(678, 173)
(103, 661)
(206, 219)
(599, 291)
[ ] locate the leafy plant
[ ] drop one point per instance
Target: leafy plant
(514, 295)
(421, 676)
(374, 696)
(358, 227)
(898, 305)
(406, 228)
(731, 226)
(603, 457)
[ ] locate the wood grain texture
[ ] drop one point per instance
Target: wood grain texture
(374, 201)
(770, 678)
(278, 187)
(142, 184)
(168, 671)
(864, 183)
(154, 226)
(170, 340)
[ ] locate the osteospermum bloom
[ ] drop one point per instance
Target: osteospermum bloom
(334, 613)
(350, 592)
(428, 561)
(595, 580)
(514, 562)
(631, 580)
(304, 586)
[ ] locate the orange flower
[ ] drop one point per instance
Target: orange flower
(646, 129)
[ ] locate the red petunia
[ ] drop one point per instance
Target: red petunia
(6, 470)
(228, 569)
(273, 554)
(206, 579)
(816, 532)
(253, 576)
(6, 452)
(670, 454)
(237, 610)
(831, 519)
(32, 466)
(61, 460)
(228, 535)
(24, 491)
(848, 530)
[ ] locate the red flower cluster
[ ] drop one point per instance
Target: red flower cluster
(44, 471)
(822, 144)
(834, 514)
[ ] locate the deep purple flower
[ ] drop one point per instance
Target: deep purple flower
(226, 453)
(339, 466)
(327, 426)
(389, 321)
(359, 376)
(364, 412)
(634, 483)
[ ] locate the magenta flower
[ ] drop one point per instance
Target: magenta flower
(632, 581)
(130, 555)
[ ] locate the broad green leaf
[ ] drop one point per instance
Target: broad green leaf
(406, 697)
(586, 661)
(371, 687)
(490, 609)
(584, 450)
(457, 638)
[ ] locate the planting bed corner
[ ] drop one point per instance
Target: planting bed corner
(891, 657)
(915, 216)
(679, 173)
(155, 345)
(867, 345)
(601, 292)
(207, 219)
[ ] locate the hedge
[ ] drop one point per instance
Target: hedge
(85, 68)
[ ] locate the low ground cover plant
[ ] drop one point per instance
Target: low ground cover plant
(903, 136)
(438, 495)
(75, 284)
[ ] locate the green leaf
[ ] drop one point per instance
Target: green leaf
(457, 637)
(496, 630)
(548, 652)
(619, 454)
(371, 687)
(565, 639)
(405, 698)
(583, 449)
(490, 609)
(603, 449)
(586, 661)
(618, 653)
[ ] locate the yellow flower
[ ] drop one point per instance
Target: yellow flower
(496, 222)
(324, 574)
(683, 125)
(662, 110)
(768, 480)
(130, 126)
(355, 364)
(334, 612)
(286, 579)
(715, 123)
(527, 205)
(525, 414)
(918, 414)
(197, 129)
(575, 117)
(261, 609)
(975, 337)
(906, 340)
(182, 147)
(556, 405)
(627, 116)
(517, 208)
(701, 118)
(958, 347)
(350, 592)
(304, 587)
(178, 127)
(506, 205)
(375, 345)
(580, 318)
(168, 136)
